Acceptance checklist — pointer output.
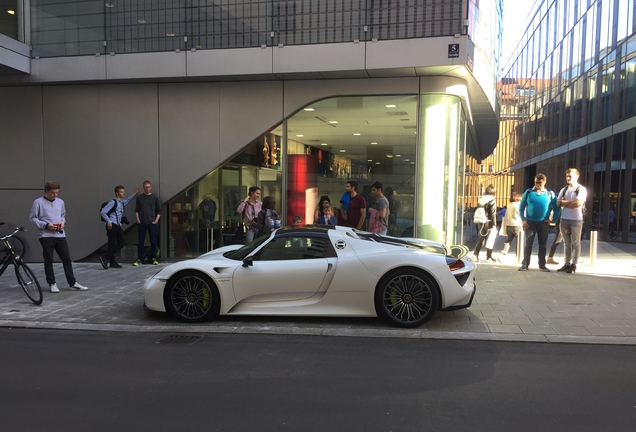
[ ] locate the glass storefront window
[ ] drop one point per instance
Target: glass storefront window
(361, 138)
(204, 217)
(9, 18)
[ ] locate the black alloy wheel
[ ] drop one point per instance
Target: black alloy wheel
(192, 296)
(406, 298)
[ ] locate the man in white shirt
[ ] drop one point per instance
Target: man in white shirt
(572, 199)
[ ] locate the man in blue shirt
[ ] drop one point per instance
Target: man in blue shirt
(113, 213)
(535, 208)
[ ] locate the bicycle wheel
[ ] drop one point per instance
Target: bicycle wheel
(18, 246)
(28, 282)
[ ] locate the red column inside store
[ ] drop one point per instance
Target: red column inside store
(302, 175)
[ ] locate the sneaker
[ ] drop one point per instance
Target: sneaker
(115, 265)
(475, 258)
(154, 261)
(544, 269)
(523, 267)
(552, 261)
(77, 286)
(54, 288)
(136, 263)
(565, 268)
(490, 260)
(572, 269)
(103, 261)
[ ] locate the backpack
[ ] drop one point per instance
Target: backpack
(266, 222)
(576, 193)
(111, 210)
(480, 216)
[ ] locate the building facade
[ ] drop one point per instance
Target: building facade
(208, 98)
(568, 100)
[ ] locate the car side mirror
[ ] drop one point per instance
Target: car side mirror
(248, 262)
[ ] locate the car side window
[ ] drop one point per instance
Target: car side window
(294, 248)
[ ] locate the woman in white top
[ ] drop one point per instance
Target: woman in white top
(511, 223)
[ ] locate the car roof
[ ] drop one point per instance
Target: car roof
(307, 229)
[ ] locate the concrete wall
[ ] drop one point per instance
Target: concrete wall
(91, 138)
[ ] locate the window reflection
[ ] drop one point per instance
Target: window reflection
(204, 217)
(364, 139)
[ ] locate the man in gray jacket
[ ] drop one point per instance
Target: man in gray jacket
(49, 215)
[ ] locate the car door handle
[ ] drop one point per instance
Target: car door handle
(329, 267)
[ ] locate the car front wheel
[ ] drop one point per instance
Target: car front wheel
(193, 297)
(406, 298)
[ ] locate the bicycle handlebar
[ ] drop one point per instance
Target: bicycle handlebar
(17, 230)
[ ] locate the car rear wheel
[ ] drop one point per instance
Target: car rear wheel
(406, 298)
(193, 297)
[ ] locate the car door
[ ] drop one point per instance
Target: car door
(290, 267)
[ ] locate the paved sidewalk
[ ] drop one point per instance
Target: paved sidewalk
(596, 305)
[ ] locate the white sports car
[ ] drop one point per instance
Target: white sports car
(317, 271)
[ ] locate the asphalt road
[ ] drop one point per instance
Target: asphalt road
(93, 381)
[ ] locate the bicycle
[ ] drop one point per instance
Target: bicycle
(23, 273)
(17, 245)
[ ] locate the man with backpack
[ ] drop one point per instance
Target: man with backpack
(113, 214)
(536, 205)
(572, 199)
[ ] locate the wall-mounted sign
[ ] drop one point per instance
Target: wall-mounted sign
(453, 50)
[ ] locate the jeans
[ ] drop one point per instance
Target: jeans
(59, 245)
(511, 233)
(540, 229)
(571, 230)
(249, 235)
(115, 242)
(557, 240)
(152, 229)
(484, 232)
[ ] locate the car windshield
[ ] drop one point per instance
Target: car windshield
(400, 242)
(240, 254)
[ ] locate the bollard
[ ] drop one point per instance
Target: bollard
(521, 240)
(593, 239)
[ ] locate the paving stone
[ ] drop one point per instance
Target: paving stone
(629, 331)
(532, 329)
(504, 328)
(473, 328)
(605, 331)
(485, 320)
(564, 330)
(496, 313)
(610, 323)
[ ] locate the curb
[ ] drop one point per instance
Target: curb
(325, 332)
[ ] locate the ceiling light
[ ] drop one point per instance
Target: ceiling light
(323, 143)
(374, 143)
(300, 136)
(142, 21)
(11, 12)
(412, 163)
(398, 155)
(109, 5)
(170, 34)
(356, 134)
(343, 151)
(369, 160)
(390, 106)
(389, 156)
(333, 122)
(406, 160)
(309, 109)
(377, 163)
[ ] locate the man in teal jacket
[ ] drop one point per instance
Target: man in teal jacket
(536, 206)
